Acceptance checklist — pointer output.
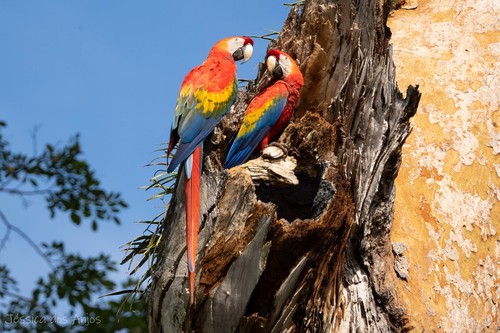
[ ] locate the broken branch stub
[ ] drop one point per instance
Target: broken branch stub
(273, 167)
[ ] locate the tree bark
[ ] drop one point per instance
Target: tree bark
(277, 256)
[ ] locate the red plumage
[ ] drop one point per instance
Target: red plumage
(207, 93)
(270, 110)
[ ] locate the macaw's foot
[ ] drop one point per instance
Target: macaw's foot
(275, 150)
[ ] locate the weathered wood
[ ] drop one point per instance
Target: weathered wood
(311, 257)
(274, 167)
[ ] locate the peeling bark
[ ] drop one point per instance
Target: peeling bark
(276, 256)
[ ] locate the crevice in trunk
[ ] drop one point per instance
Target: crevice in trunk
(292, 202)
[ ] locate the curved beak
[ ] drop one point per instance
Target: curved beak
(247, 52)
(273, 67)
(243, 53)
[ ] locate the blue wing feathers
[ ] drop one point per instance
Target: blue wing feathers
(243, 146)
(192, 125)
(191, 137)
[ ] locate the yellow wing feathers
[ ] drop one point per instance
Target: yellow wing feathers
(207, 102)
(256, 110)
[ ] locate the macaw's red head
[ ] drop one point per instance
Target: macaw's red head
(240, 48)
(282, 67)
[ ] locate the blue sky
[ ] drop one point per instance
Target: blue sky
(111, 71)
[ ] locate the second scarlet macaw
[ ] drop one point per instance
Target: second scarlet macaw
(270, 110)
(206, 95)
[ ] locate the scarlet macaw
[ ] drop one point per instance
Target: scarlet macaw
(270, 110)
(207, 93)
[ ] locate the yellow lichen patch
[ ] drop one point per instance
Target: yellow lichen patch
(443, 16)
(470, 176)
(424, 66)
(439, 102)
(495, 216)
(468, 83)
(486, 38)
(495, 119)
(447, 209)
(452, 160)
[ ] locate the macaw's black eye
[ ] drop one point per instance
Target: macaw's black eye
(277, 72)
(238, 54)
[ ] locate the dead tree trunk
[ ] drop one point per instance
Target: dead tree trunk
(277, 256)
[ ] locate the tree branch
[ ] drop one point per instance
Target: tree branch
(5, 238)
(267, 36)
(23, 192)
(14, 295)
(10, 227)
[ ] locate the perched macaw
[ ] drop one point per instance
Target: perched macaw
(270, 110)
(207, 93)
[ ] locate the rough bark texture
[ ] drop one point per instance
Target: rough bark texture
(311, 257)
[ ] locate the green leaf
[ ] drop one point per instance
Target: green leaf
(120, 292)
(75, 218)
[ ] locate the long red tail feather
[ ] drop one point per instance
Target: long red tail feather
(192, 201)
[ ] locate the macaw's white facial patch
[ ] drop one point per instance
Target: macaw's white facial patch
(234, 44)
(286, 65)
